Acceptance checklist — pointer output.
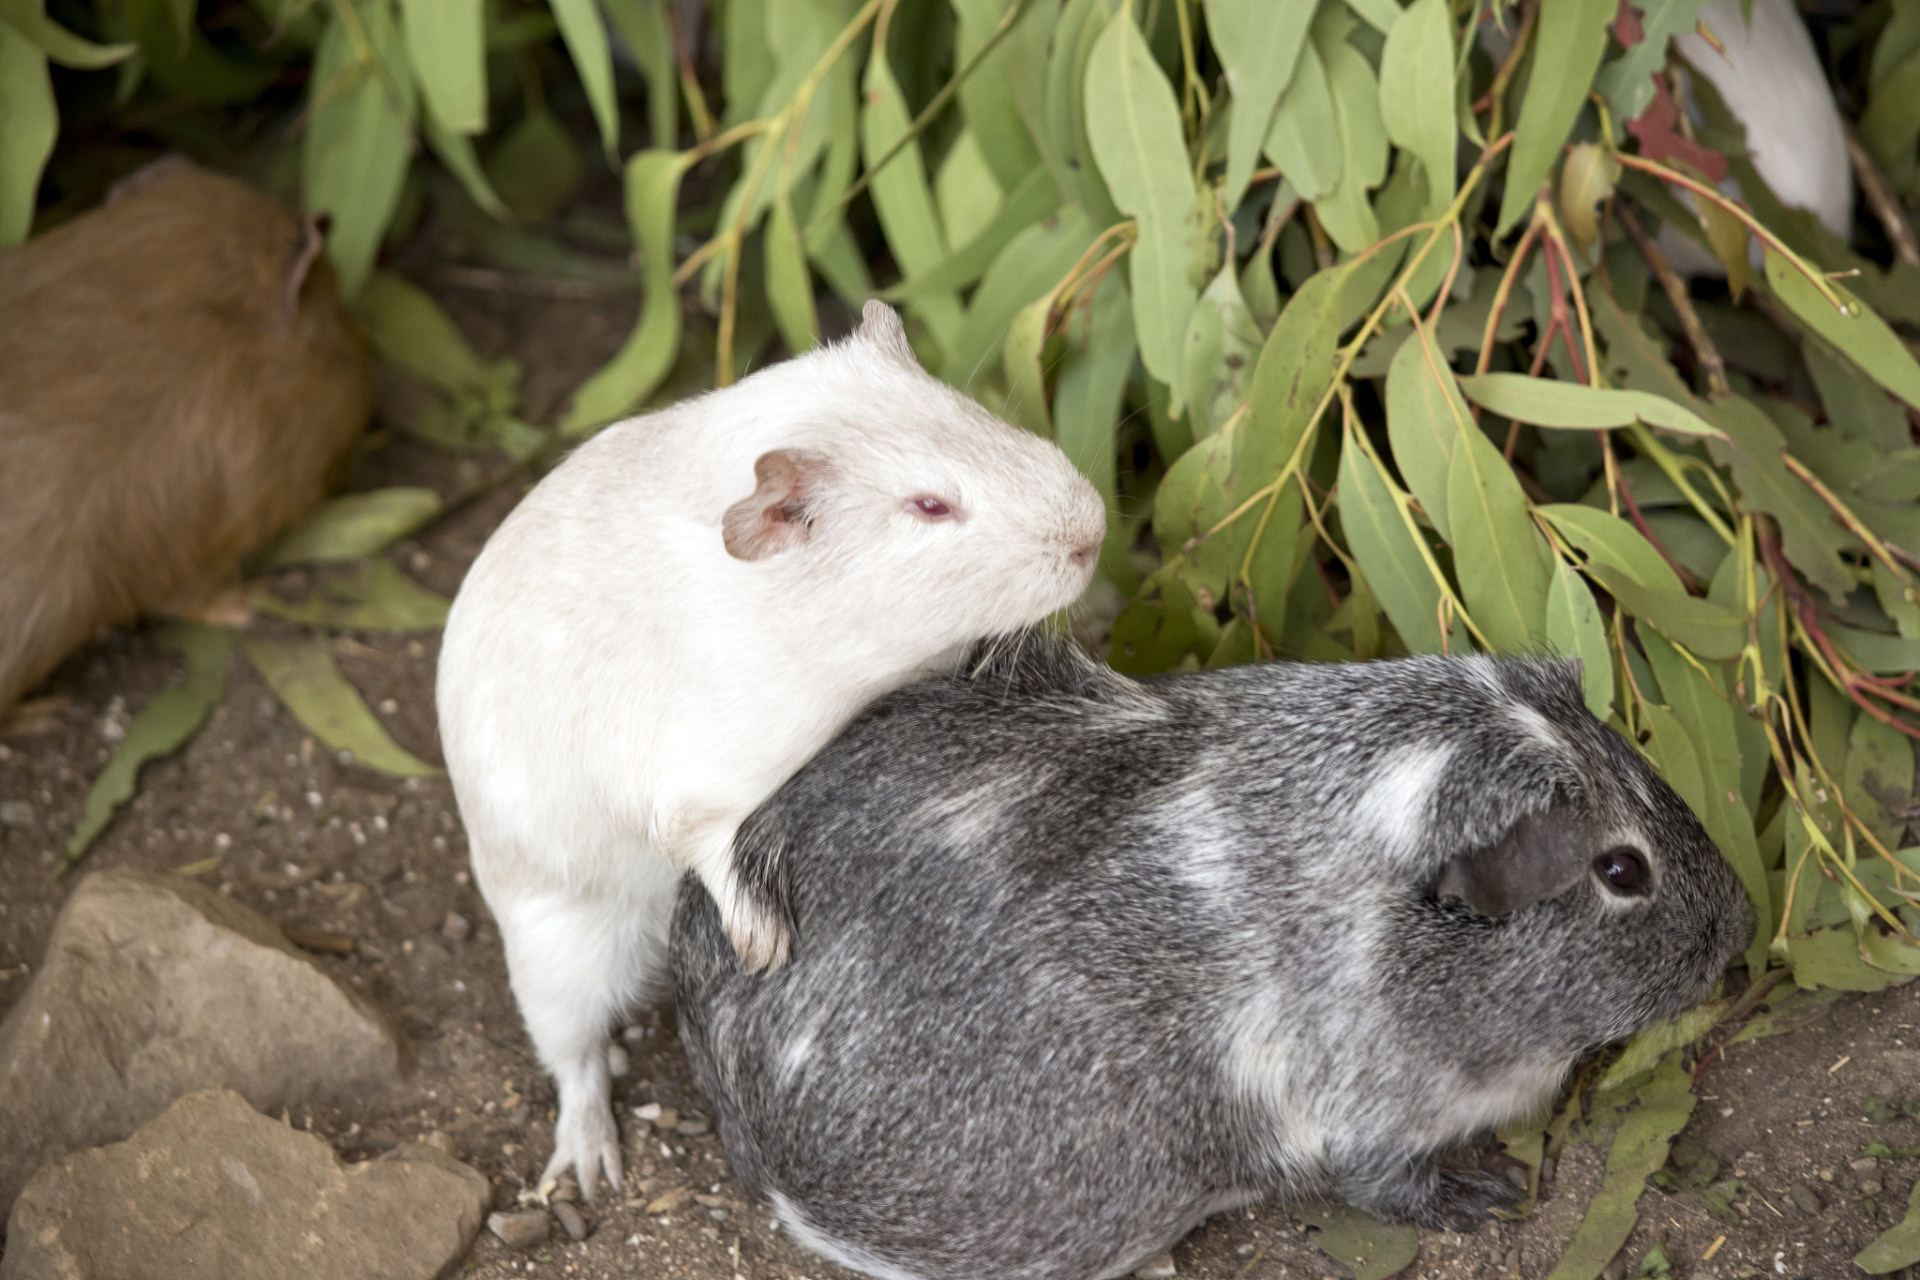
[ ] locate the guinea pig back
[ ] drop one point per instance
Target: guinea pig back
(177, 379)
(1082, 960)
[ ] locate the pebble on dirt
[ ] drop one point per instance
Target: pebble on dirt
(571, 1220)
(1158, 1268)
(519, 1230)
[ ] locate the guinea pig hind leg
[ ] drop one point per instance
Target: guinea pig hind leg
(1398, 1187)
(575, 965)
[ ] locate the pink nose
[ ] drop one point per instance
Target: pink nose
(1085, 556)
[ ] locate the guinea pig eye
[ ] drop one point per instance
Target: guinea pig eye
(1624, 870)
(929, 507)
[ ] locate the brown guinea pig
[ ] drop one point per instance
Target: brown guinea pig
(177, 379)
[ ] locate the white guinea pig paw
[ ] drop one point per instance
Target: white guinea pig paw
(758, 936)
(587, 1144)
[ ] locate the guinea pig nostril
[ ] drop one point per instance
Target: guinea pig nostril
(1084, 557)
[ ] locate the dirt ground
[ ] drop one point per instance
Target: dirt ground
(321, 846)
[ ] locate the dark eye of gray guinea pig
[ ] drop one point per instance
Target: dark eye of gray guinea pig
(1623, 869)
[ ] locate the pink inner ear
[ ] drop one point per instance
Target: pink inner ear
(775, 516)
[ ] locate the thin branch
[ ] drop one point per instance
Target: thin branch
(1886, 205)
(1676, 290)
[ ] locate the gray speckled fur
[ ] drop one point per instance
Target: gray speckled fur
(1081, 960)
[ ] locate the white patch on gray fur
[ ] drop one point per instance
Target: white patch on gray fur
(1537, 727)
(1468, 1108)
(976, 814)
(1258, 1068)
(796, 1054)
(1394, 809)
(1210, 858)
(852, 1257)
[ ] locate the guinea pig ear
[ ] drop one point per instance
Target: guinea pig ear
(880, 325)
(775, 516)
(1540, 857)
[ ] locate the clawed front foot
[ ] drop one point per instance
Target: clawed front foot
(1420, 1192)
(586, 1143)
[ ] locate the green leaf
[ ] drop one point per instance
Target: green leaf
(1892, 118)
(1193, 497)
(195, 69)
(1751, 446)
(1378, 14)
(1425, 419)
(1381, 535)
(789, 283)
(446, 42)
(1031, 200)
(408, 329)
(1155, 632)
(1699, 702)
(1862, 335)
(1259, 46)
(1831, 958)
(162, 726)
(1858, 409)
(1639, 1150)
(642, 25)
(1303, 138)
(1574, 630)
(1627, 82)
(1031, 265)
(357, 146)
(374, 596)
(456, 152)
(1898, 1246)
(966, 191)
(1222, 344)
(1020, 358)
(1133, 123)
(1348, 218)
(31, 121)
(1609, 540)
(1702, 626)
(1878, 652)
(354, 525)
(586, 38)
(28, 18)
(534, 168)
(1498, 555)
(303, 675)
(1416, 94)
(1572, 406)
(1879, 778)
(1371, 1250)
(1086, 412)
(1644, 1052)
(1571, 38)
(903, 199)
(1296, 368)
(653, 188)
(987, 97)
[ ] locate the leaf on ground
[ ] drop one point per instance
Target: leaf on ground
(162, 726)
(303, 675)
(1831, 958)
(1133, 123)
(1574, 630)
(1644, 1051)
(624, 382)
(354, 525)
(1639, 1150)
(1372, 1250)
(409, 329)
(1791, 1012)
(374, 596)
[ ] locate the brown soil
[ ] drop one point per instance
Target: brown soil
(323, 846)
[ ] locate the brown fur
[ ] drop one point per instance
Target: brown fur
(162, 409)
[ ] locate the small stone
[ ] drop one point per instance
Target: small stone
(1616, 1269)
(570, 1220)
(1804, 1198)
(650, 1112)
(1243, 1251)
(1866, 1164)
(563, 1189)
(456, 927)
(440, 1141)
(519, 1230)
(670, 1201)
(1870, 1187)
(1158, 1268)
(618, 1063)
(1546, 1170)
(16, 813)
(693, 1127)
(666, 1120)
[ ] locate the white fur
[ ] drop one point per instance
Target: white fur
(617, 691)
(1394, 809)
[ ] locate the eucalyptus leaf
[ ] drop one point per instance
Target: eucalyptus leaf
(1499, 558)
(358, 142)
(1032, 264)
(32, 120)
(1416, 94)
(1031, 199)
(1571, 39)
(1221, 347)
(1303, 137)
(1425, 419)
(903, 198)
(1133, 123)
(354, 525)
(1857, 331)
(1259, 46)
(373, 596)
(1382, 538)
(303, 676)
(1574, 630)
(1545, 402)
(1702, 626)
(1371, 1250)
(586, 37)
(789, 283)
(1898, 1246)
(28, 18)
(446, 44)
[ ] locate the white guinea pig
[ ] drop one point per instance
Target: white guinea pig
(679, 616)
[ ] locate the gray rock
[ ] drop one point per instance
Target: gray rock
(1158, 1268)
(516, 1230)
(153, 986)
(570, 1220)
(214, 1190)
(16, 813)
(1804, 1198)
(456, 927)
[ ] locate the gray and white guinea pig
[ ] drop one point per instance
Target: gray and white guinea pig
(681, 614)
(1081, 960)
